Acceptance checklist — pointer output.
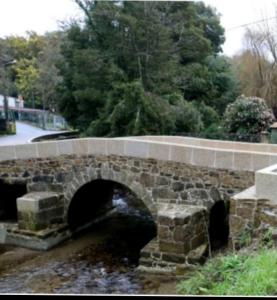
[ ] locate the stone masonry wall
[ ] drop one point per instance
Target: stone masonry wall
(192, 190)
(250, 218)
(153, 181)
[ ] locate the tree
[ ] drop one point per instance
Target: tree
(49, 78)
(257, 65)
(27, 74)
(248, 116)
(157, 48)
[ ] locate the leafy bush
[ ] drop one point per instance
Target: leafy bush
(247, 115)
(187, 117)
(235, 274)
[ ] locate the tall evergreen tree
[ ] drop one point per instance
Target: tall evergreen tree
(155, 49)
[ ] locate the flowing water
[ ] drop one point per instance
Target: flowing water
(102, 260)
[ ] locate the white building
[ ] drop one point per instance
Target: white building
(12, 102)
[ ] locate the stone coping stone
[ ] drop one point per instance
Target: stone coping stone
(35, 201)
(249, 194)
(203, 153)
(266, 183)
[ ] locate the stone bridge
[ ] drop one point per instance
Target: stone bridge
(50, 190)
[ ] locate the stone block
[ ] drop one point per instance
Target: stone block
(260, 147)
(162, 181)
(80, 147)
(164, 233)
(97, 146)
(147, 180)
(178, 186)
(174, 247)
(260, 161)
(178, 259)
(175, 217)
(26, 151)
(237, 225)
(115, 147)
(243, 161)
(246, 212)
(65, 147)
(182, 154)
(7, 153)
(224, 159)
(198, 255)
(265, 180)
(272, 159)
(35, 202)
(136, 149)
(47, 149)
(238, 146)
(159, 151)
(198, 240)
(203, 157)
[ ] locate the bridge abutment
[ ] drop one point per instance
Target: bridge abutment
(253, 212)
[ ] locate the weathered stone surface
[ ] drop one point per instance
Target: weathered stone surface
(199, 254)
(153, 181)
(178, 186)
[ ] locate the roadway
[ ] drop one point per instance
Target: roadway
(24, 134)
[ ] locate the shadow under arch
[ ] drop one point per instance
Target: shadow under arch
(126, 231)
(95, 198)
(219, 224)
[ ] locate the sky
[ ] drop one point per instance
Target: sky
(19, 16)
(235, 13)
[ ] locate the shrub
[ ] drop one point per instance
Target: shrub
(247, 115)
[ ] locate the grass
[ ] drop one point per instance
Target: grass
(236, 274)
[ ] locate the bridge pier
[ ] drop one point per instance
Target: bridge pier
(183, 239)
(40, 210)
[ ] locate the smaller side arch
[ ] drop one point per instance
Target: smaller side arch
(219, 225)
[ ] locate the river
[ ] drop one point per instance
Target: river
(102, 260)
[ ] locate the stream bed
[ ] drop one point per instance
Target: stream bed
(102, 260)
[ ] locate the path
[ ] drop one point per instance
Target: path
(24, 134)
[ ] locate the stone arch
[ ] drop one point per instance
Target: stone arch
(106, 172)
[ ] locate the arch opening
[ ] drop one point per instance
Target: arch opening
(89, 202)
(9, 193)
(126, 222)
(219, 225)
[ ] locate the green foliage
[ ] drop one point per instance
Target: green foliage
(235, 274)
(215, 131)
(248, 115)
(267, 239)
(208, 115)
(245, 238)
(132, 111)
(157, 49)
(187, 117)
(27, 76)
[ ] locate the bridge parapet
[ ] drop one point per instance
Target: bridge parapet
(197, 152)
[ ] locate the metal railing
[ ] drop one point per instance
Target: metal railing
(42, 119)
